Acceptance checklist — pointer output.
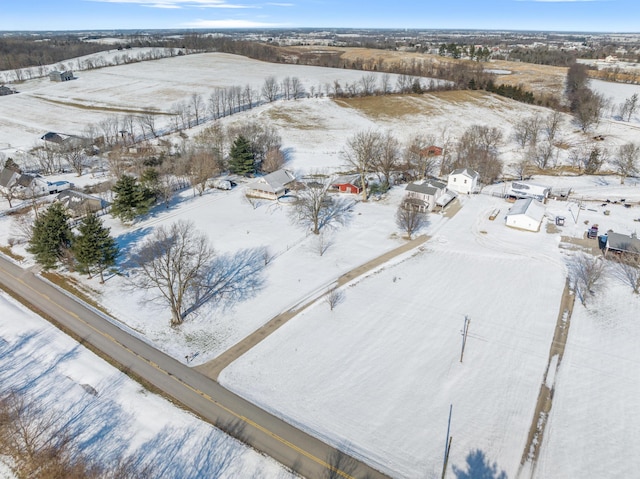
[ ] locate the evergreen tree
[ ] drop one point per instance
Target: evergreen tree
(51, 236)
(242, 159)
(132, 198)
(94, 249)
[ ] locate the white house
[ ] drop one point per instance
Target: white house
(32, 186)
(272, 186)
(526, 214)
(425, 195)
(463, 180)
(524, 189)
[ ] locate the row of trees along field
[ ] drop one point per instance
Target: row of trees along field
(43, 442)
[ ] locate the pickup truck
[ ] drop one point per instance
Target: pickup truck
(593, 232)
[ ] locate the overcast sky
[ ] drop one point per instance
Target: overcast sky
(557, 15)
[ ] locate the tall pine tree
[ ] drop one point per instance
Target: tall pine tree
(93, 248)
(51, 236)
(242, 161)
(132, 198)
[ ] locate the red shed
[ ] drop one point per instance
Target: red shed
(431, 151)
(347, 184)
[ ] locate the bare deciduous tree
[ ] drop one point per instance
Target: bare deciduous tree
(361, 152)
(22, 227)
(128, 130)
(73, 152)
(629, 107)
(172, 261)
(117, 162)
(285, 87)
(368, 84)
(594, 159)
(197, 107)
(273, 160)
(270, 89)
(248, 95)
(389, 159)
(385, 84)
(333, 297)
(323, 243)
(626, 268)
(147, 124)
(42, 442)
(626, 161)
(48, 157)
(551, 125)
(403, 83)
(297, 88)
(586, 272)
(410, 219)
(315, 209)
(477, 149)
(521, 168)
(588, 108)
(527, 130)
(545, 155)
(419, 161)
(110, 128)
(201, 166)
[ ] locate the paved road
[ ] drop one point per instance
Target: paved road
(292, 447)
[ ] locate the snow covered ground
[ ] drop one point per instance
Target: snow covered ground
(109, 414)
(594, 426)
(377, 375)
(151, 86)
(381, 370)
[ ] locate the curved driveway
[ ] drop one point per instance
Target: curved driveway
(290, 446)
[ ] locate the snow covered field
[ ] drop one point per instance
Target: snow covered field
(109, 414)
(594, 426)
(382, 369)
(377, 375)
(151, 86)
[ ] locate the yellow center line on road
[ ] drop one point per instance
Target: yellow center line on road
(244, 419)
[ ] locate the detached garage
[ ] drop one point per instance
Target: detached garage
(526, 214)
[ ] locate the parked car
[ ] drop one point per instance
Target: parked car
(222, 184)
(593, 232)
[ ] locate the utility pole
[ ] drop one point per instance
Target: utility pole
(465, 330)
(447, 444)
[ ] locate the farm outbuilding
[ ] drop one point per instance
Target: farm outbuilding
(523, 189)
(619, 243)
(526, 214)
(463, 180)
(81, 204)
(59, 76)
(347, 184)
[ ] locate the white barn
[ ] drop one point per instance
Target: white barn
(526, 214)
(463, 180)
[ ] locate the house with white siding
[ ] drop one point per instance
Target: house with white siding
(463, 180)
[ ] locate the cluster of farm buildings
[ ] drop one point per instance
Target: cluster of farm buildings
(527, 213)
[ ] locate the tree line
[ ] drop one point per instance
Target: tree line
(40, 442)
